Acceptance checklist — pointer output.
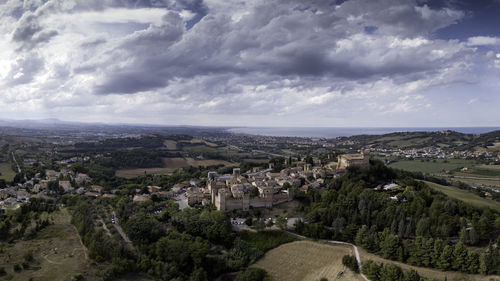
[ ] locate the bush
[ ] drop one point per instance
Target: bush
(252, 274)
(28, 256)
(17, 267)
(2, 271)
(350, 262)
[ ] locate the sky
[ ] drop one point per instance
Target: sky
(354, 63)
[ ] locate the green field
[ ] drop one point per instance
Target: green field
(465, 196)
(439, 166)
(6, 172)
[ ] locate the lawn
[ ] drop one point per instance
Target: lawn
(465, 196)
(431, 167)
(307, 261)
(57, 251)
(6, 172)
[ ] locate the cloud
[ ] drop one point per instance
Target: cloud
(483, 41)
(217, 58)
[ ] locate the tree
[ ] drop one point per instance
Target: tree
(446, 258)
(460, 257)
(281, 222)
(371, 269)
(390, 272)
(252, 274)
(411, 275)
(350, 262)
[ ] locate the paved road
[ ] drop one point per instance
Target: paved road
(337, 242)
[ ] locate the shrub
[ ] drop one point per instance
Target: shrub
(350, 262)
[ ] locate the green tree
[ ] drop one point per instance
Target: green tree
(460, 257)
(446, 258)
(371, 269)
(281, 222)
(390, 272)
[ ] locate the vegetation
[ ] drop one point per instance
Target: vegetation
(348, 210)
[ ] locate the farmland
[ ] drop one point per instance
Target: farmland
(6, 172)
(433, 166)
(170, 165)
(307, 260)
(465, 196)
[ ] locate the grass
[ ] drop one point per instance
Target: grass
(307, 261)
(170, 144)
(57, 251)
(170, 165)
(432, 274)
(432, 167)
(266, 240)
(6, 172)
(465, 196)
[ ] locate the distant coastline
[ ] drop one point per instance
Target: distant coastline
(333, 132)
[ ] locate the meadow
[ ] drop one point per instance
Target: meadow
(432, 166)
(307, 261)
(465, 196)
(6, 172)
(170, 165)
(57, 253)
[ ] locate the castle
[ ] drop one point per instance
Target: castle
(354, 160)
(236, 192)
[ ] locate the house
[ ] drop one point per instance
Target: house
(154, 188)
(141, 198)
(96, 188)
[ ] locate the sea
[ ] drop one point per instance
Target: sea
(333, 132)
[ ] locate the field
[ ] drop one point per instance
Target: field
(307, 261)
(432, 167)
(465, 196)
(170, 165)
(430, 273)
(170, 144)
(57, 251)
(6, 172)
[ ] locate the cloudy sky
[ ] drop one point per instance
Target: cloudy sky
(253, 63)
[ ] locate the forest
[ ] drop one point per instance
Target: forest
(422, 227)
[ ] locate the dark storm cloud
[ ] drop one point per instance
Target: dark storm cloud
(284, 42)
(29, 33)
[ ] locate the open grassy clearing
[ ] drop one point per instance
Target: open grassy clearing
(465, 196)
(489, 167)
(57, 251)
(307, 261)
(432, 167)
(6, 172)
(170, 144)
(482, 182)
(170, 165)
(428, 272)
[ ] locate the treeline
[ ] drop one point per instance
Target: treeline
(101, 247)
(349, 208)
(136, 158)
(388, 272)
(427, 252)
(106, 145)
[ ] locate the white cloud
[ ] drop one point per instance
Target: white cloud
(483, 41)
